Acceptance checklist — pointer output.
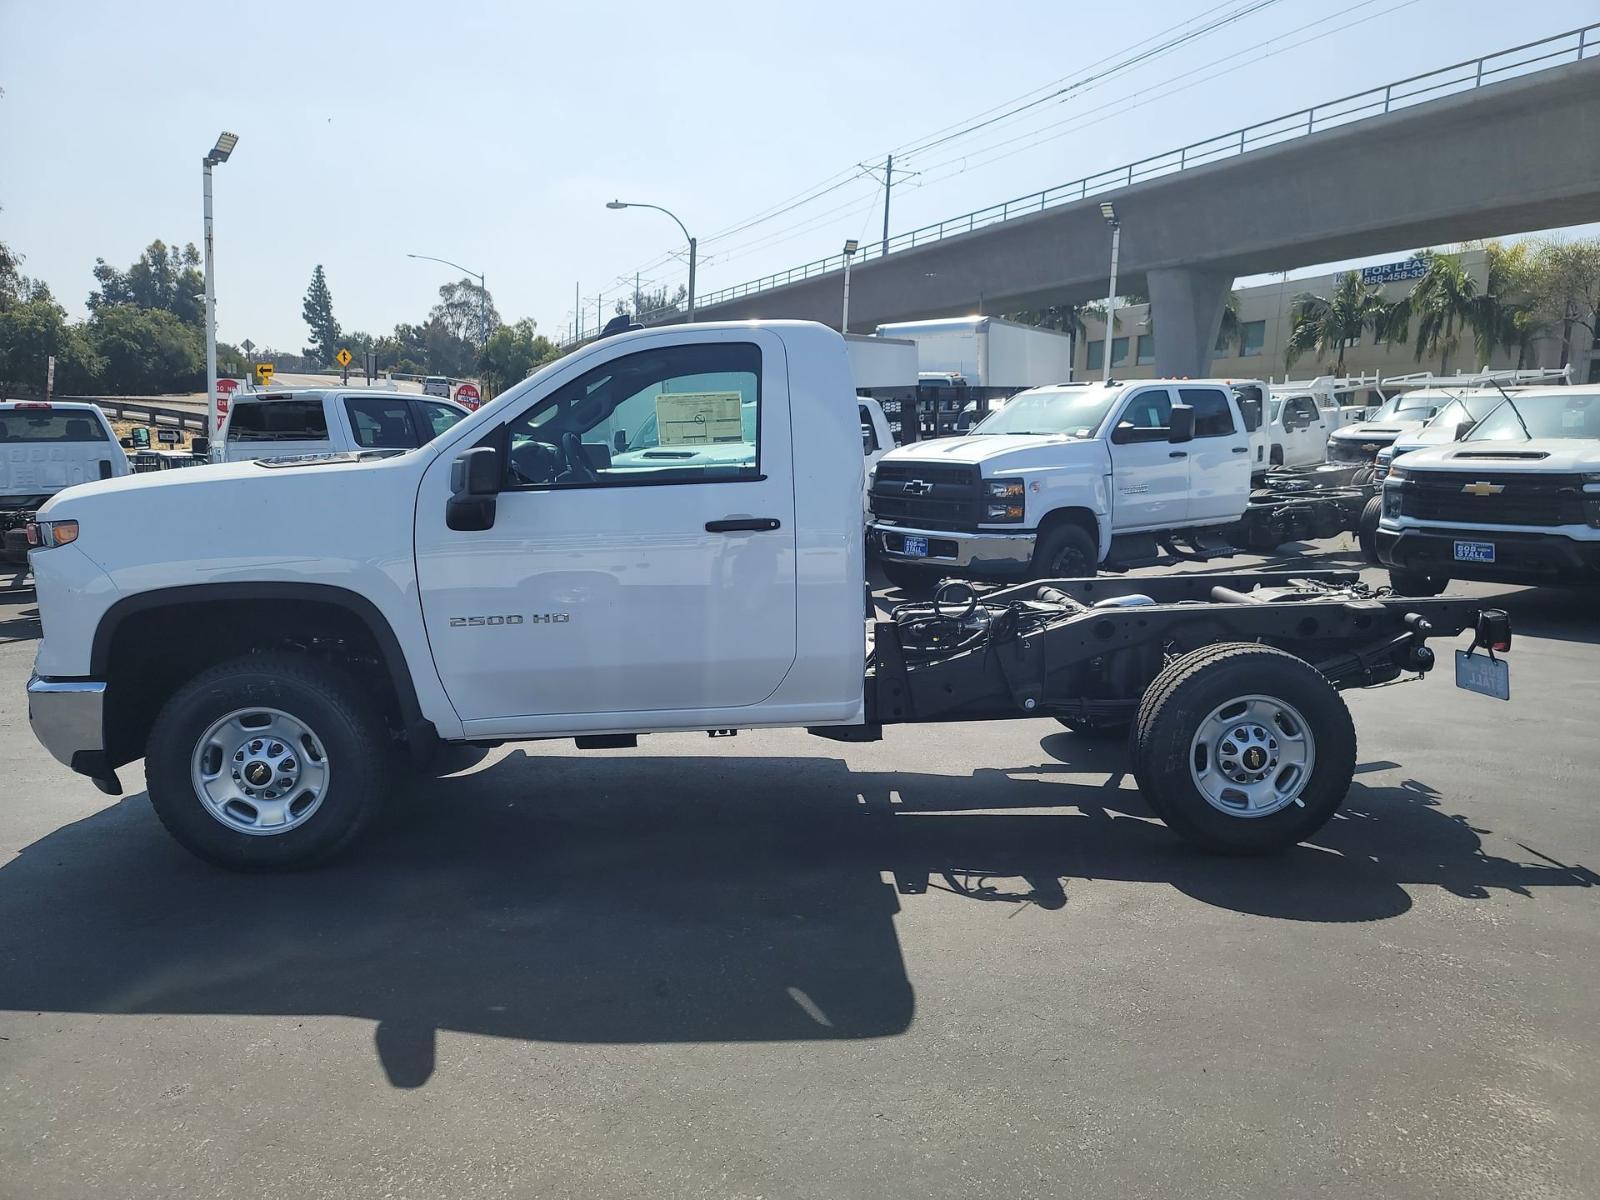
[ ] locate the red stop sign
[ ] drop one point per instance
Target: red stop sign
(226, 386)
(468, 394)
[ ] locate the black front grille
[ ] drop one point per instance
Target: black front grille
(935, 495)
(1463, 498)
(1350, 450)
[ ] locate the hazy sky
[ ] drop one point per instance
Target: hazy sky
(493, 134)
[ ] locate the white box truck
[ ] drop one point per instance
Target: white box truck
(965, 362)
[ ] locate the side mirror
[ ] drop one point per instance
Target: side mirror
(200, 447)
(619, 442)
(474, 484)
(126, 443)
(1180, 425)
(141, 437)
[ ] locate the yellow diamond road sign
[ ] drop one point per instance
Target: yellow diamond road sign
(264, 373)
(342, 358)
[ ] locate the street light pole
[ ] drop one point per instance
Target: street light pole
(850, 248)
(693, 245)
(483, 294)
(1109, 212)
(219, 154)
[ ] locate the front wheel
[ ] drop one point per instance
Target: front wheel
(1243, 749)
(1065, 552)
(269, 762)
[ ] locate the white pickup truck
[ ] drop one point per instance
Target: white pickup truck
(1044, 486)
(341, 615)
(275, 425)
(45, 447)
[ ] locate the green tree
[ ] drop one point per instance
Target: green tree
(146, 352)
(653, 304)
(13, 284)
(1327, 324)
(1068, 318)
(513, 352)
(466, 310)
(1565, 284)
(1446, 304)
(33, 329)
(163, 277)
(318, 313)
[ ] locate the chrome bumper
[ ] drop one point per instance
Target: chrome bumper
(66, 716)
(963, 551)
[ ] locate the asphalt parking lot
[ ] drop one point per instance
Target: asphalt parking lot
(963, 960)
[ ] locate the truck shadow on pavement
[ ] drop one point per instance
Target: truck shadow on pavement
(639, 898)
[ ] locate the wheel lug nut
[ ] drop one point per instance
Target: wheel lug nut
(287, 764)
(275, 749)
(255, 746)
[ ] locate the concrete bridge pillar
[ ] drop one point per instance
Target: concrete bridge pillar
(1186, 311)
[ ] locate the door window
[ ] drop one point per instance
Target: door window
(1212, 417)
(680, 414)
(1146, 417)
(1302, 412)
(381, 422)
(434, 418)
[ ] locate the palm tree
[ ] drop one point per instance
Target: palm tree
(1327, 324)
(1447, 304)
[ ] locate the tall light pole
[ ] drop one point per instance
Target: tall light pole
(850, 248)
(219, 154)
(1109, 212)
(483, 294)
(693, 246)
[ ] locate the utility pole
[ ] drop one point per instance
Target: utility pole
(888, 180)
(1110, 214)
(577, 312)
(636, 295)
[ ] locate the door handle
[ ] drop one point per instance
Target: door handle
(743, 525)
(1241, 449)
(1178, 454)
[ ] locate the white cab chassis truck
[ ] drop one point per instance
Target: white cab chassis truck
(497, 583)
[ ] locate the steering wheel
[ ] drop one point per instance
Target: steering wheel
(577, 461)
(536, 462)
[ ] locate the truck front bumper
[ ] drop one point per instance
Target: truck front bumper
(1530, 558)
(996, 554)
(68, 718)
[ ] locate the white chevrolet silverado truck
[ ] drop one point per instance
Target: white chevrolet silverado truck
(1517, 500)
(268, 425)
(343, 615)
(1048, 484)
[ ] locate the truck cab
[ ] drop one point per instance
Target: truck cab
(46, 447)
(1043, 486)
(277, 425)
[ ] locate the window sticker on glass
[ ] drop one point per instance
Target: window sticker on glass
(698, 418)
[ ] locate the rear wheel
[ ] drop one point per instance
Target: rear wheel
(1065, 552)
(270, 762)
(1243, 749)
(1367, 530)
(1415, 583)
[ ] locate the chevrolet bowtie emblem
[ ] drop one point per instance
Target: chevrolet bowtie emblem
(917, 487)
(1483, 488)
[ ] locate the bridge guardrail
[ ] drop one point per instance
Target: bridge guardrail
(1527, 58)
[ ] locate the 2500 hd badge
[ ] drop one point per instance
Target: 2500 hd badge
(510, 619)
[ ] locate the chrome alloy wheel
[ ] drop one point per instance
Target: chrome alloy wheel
(260, 771)
(1252, 756)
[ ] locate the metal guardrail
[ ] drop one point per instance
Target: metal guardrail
(154, 414)
(1572, 46)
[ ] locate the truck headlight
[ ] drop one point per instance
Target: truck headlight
(44, 534)
(1004, 512)
(1005, 489)
(1391, 502)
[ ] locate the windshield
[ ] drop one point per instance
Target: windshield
(1076, 412)
(1407, 408)
(1564, 416)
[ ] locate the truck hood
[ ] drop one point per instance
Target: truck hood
(1380, 432)
(161, 488)
(1003, 451)
(1424, 437)
(1555, 456)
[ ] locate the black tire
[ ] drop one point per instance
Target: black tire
(1185, 695)
(913, 581)
(352, 739)
(1362, 476)
(1367, 530)
(1415, 583)
(1065, 552)
(1100, 728)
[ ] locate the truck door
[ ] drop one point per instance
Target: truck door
(1149, 475)
(1219, 456)
(1308, 431)
(664, 583)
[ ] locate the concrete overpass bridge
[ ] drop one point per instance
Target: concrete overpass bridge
(1497, 146)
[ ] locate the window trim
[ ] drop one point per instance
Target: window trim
(418, 415)
(1234, 422)
(406, 402)
(501, 437)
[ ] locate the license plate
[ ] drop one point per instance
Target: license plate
(1475, 552)
(915, 547)
(1484, 675)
